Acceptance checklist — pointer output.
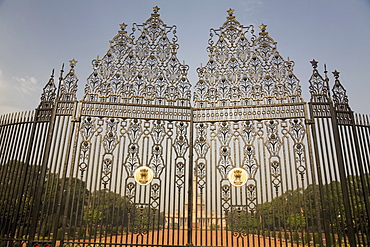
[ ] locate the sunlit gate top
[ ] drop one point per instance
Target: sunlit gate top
(251, 143)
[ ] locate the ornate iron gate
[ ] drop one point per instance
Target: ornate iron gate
(134, 164)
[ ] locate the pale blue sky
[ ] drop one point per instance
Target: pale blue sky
(37, 36)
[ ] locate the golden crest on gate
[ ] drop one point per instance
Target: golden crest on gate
(143, 175)
(237, 176)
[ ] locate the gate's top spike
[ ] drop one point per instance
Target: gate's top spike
(156, 9)
(314, 63)
(340, 97)
(263, 27)
(230, 12)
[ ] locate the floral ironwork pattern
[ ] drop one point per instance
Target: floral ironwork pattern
(244, 69)
(68, 85)
(141, 67)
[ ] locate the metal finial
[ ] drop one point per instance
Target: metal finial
(72, 63)
(123, 26)
(263, 27)
(156, 9)
(314, 63)
(230, 12)
(52, 73)
(336, 74)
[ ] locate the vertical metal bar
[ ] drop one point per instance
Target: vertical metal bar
(190, 180)
(23, 178)
(42, 176)
(359, 164)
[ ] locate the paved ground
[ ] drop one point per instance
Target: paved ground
(199, 238)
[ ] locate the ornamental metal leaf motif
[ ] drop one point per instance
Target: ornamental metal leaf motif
(201, 145)
(250, 161)
(181, 141)
(300, 159)
(106, 171)
(141, 67)
(319, 88)
(297, 130)
(155, 195)
(49, 91)
(340, 97)
(87, 128)
(224, 163)
(110, 138)
(244, 69)
(156, 162)
(224, 133)
(273, 142)
(134, 130)
(132, 161)
(158, 131)
(68, 85)
(180, 174)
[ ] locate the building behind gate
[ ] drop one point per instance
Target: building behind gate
(141, 160)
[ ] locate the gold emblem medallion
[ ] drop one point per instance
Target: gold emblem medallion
(237, 176)
(143, 175)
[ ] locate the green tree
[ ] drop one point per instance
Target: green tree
(73, 196)
(18, 185)
(239, 220)
(296, 221)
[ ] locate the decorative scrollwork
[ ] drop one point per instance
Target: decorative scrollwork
(84, 156)
(180, 174)
(300, 159)
(68, 85)
(252, 196)
(236, 219)
(131, 191)
(224, 164)
(48, 93)
(140, 226)
(224, 133)
(181, 142)
(250, 161)
(132, 161)
(225, 196)
(156, 162)
(106, 171)
(275, 174)
(155, 195)
(141, 67)
(201, 145)
(340, 97)
(297, 130)
(87, 128)
(201, 176)
(110, 138)
(273, 142)
(135, 130)
(319, 88)
(243, 69)
(158, 131)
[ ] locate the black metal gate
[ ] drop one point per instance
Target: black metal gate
(135, 164)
